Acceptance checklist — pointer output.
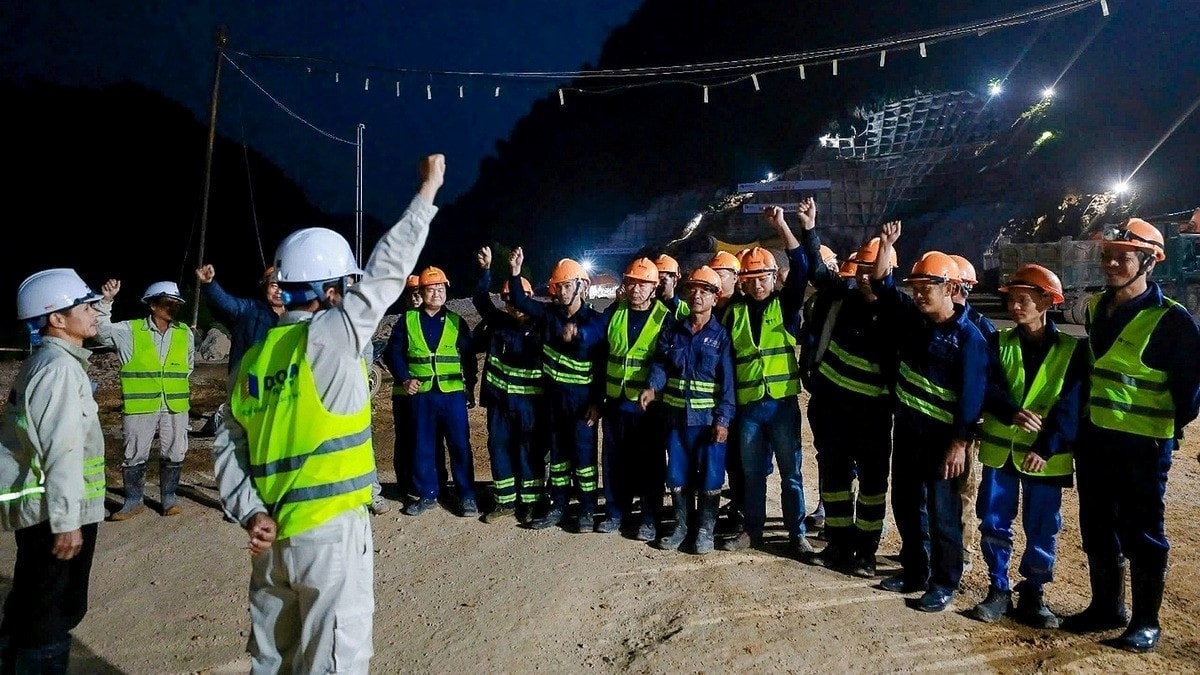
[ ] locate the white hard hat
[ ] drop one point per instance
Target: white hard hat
(314, 254)
(52, 291)
(160, 289)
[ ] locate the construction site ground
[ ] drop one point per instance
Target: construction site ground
(169, 595)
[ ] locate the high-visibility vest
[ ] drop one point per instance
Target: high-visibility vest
(512, 379)
(769, 368)
(1126, 394)
(998, 439)
(923, 395)
(307, 463)
(146, 381)
(852, 372)
(444, 365)
(628, 370)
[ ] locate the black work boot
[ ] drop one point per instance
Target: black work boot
(1143, 631)
(1107, 608)
(707, 521)
(135, 485)
(168, 480)
(994, 606)
(553, 517)
(837, 554)
(1032, 610)
(681, 503)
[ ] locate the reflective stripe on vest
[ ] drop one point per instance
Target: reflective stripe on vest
(997, 439)
(444, 366)
(853, 373)
(922, 395)
(628, 370)
(308, 464)
(564, 369)
(694, 394)
(1126, 394)
(769, 368)
(146, 380)
(510, 379)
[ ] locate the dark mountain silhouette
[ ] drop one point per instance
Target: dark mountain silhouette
(110, 181)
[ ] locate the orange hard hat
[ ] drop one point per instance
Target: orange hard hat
(642, 269)
(870, 250)
(828, 256)
(934, 266)
(414, 281)
(569, 270)
(705, 276)
(724, 260)
(966, 270)
(667, 265)
(1138, 235)
(849, 268)
(432, 275)
(757, 262)
(1037, 277)
(528, 287)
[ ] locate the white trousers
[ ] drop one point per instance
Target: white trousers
(171, 429)
(312, 600)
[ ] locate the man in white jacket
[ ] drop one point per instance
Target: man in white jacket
(51, 475)
(294, 458)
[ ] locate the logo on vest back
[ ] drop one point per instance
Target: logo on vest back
(258, 386)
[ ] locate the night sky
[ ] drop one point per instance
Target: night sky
(1131, 82)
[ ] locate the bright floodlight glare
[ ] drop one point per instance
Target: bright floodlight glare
(1121, 187)
(588, 265)
(770, 175)
(1048, 92)
(994, 89)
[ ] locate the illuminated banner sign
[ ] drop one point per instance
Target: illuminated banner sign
(784, 186)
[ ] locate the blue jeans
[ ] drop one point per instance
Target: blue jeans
(694, 461)
(765, 427)
(928, 510)
(1041, 519)
(438, 414)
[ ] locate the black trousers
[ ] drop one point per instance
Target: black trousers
(49, 596)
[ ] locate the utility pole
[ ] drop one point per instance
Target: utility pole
(212, 136)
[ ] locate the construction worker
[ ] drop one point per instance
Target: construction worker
(51, 475)
(969, 480)
(157, 356)
(727, 266)
(1031, 416)
(248, 319)
(763, 324)
(668, 279)
(294, 460)
(942, 375)
(433, 363)
(693, 370)
(572, 336)
(634, 457)
(511, 391)
(1144, 387)
(850, 407)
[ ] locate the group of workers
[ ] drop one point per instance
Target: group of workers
(695, 380)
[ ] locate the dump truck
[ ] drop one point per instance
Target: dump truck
(1077, 263)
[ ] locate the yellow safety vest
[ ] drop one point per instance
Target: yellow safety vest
(629, 364)
(444, 365)
(924, 396)
(769, 368)
(998, 439)
(146, 381)
(307, 463)
(1126, 394)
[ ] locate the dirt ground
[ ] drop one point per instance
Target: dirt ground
(169, 595)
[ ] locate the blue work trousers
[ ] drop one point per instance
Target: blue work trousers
(769, 427)
(928, 510)
(437, 414)
(634, 462)
(572, 448)
(518, 467)
(1041, 519)
(694, 461)
(403, 441)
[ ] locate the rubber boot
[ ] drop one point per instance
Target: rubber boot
(993, 608)
(1032, 610)
(168, 479)
(680, 502)
(135, 484)
(1143, 631)
(1107, 608)
(707, 521)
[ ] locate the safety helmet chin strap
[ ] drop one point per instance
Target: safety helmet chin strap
(1146, 260)
(574, 292)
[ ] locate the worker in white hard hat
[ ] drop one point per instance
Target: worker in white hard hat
(294, 459)
(157, 355)
(51, 475)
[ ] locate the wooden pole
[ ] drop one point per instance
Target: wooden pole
(212, 136)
